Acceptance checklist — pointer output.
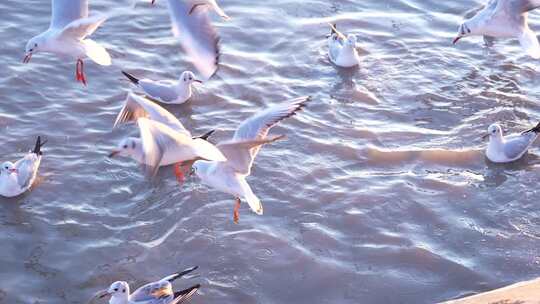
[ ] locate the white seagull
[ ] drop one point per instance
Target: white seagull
(342, 49)
(504, 149)
(230, 176)
(16, 178)
(160, 292)
(199, 39)
(504, 19)
(164, 140)
(67, 36)
(170, 92)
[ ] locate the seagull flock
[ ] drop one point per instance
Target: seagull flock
(224, 166)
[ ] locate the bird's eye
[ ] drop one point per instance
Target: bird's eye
(31, 50)
(125, 146)
(7, 167)
(123, 290)
(116, 289)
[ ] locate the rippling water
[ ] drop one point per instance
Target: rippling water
(381, 194)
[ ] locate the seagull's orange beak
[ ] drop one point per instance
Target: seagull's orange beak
(13, 170)
(27, 58)
(197, 80)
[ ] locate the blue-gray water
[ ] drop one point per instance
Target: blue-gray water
(363, 204)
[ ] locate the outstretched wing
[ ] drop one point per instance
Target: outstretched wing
(238, 153)
(197, 36)
(256, 127)
(66, 11)
(81, 28)
(156, 139)
(136, 107)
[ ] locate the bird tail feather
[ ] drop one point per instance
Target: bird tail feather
(37, 147)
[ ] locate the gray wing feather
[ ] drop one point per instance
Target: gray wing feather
(517, 145)
(136, 107)
(66, 11)
(153, 293)
(27, 168)
(258, 125)
(158, 91)
(198, 37)
(156, 139)
(335, 44)
(240, 150)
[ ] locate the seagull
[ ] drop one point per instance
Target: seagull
(164, 140)
(67, 36)
(191, 25)
(16, 178)
(504, 19)
(342, 49)
(505, 149)
(170, 92)
(159, 292)
(230, 176)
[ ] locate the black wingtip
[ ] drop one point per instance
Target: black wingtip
(39, 144)
(183, 273)
(206, 135)
(332, 31)
(183, 295)
(536, 129)
(131, 78)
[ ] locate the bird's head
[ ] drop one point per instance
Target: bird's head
(494, 130)
(8, 168)
(126, 147)
(188, 78)
(32, 46)
(118, 289)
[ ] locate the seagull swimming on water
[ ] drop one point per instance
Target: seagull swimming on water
(192, 26)
(170, 92)
(159, 292)
(67, 36)
(164, 140)
(241, 150)
(342, 49)
(16, 178)
(504, 19)
(504, 149)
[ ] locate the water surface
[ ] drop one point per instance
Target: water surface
(381, 194)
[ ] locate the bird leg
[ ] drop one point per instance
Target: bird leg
(179, 173)
(236, 212)
(182, 170)
(80, 71)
